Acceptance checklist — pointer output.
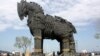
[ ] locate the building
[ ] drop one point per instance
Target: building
(4, 53)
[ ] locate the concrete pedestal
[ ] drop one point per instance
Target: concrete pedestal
(37, 54)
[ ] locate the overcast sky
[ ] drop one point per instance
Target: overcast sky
(84, 14)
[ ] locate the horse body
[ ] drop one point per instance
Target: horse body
(51, 27)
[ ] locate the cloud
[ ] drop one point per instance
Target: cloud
(9, 16)
(80, 13)
(10, 19)
(83, 13)
(4, 26)
(53, 6)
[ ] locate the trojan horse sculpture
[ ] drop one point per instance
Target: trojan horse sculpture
(47, 27)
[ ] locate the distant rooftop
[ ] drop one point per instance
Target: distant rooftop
(1, 51)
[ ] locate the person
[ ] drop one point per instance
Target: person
(53, 53)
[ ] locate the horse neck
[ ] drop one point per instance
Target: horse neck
(34, 16)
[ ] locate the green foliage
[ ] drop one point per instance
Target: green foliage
(97, 36)
(22, 42)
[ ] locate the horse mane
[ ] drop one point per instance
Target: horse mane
(37, 7)
(60, 19)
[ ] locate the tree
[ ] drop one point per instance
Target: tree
(97, 36)
(23, 42)
(97, 25)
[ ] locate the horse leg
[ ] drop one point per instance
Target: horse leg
(60, 47)
(38, 41)
(72, 46)
(65, 47)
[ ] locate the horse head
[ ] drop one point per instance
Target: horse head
(21, 7)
